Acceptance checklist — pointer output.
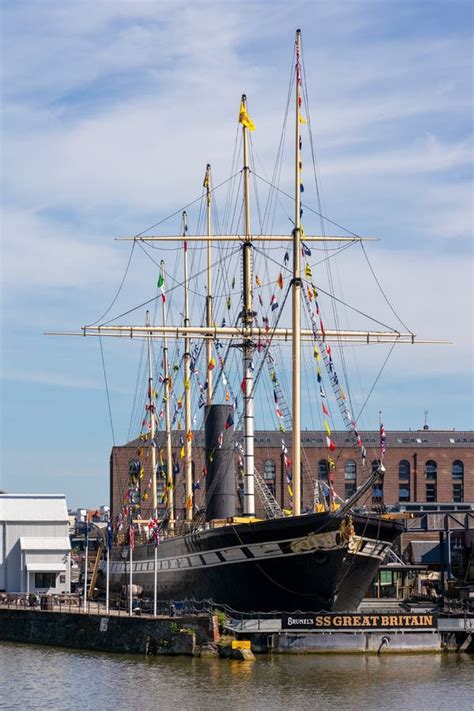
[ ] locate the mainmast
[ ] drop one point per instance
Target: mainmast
(151, 412)
(207, 185)
(296, 300)
(167, 387)
(247, 316)
(188, 470)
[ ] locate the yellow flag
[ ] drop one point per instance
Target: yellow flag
(302, 120)
(327, 428)
(245, 119)
(257, 280)
(181, 452)
(307, 271)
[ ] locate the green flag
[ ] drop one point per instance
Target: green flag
(160, 281)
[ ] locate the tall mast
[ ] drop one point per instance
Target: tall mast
(207, 185)
(188, 471)
(167, 384)
(247, 320)
(151, 412)
(296, 300)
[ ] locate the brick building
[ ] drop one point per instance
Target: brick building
(425, 466)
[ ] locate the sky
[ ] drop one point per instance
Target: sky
(110, 112)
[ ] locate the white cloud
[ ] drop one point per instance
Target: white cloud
(38, 253)
(113, 109)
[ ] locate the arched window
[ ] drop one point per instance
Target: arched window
(431, 476)
(350, 470)
(323, 469)
(404, 480)
(458, 470)
(350, 475)
(431, 470)
(458, 481)
(269, 470)
(269, 474)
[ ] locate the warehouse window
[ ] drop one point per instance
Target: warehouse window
(458, 481)
(269, 474)
(431, 476)
(377, 488)
(431, 470)
(45, 580)
(431, 492)
(350, 476)
(458, 493)
(458, 470)
(404, 480)
(323, 469)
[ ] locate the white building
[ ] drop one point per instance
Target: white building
(34, 543)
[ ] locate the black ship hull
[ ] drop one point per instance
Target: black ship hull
(296, 563)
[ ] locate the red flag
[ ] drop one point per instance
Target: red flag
(330, 444)
(280, 280)
(325, 410)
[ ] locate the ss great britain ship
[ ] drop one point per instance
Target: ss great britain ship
(319, 556)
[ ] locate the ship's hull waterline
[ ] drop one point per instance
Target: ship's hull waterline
(309, 562)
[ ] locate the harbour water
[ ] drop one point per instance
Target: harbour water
(51, 678)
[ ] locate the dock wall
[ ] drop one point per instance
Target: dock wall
(129, 635)
(358, 642)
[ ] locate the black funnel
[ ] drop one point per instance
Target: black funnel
(220, 478)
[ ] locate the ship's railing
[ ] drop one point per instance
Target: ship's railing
(227, 616)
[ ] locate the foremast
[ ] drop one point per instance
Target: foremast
(167, 396)
(188, 471)
(151, 413)
(207, 185)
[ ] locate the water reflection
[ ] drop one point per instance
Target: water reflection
(49, 678)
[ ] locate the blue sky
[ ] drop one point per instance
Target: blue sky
(111, 111)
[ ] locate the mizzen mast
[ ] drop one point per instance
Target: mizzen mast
(296, 298)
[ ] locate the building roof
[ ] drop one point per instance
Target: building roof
(314, 438)
(39, 543)
(33, 507)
